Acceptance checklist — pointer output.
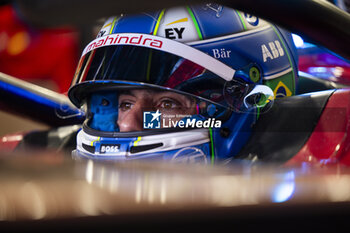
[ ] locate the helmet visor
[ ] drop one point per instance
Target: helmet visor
(136, 64)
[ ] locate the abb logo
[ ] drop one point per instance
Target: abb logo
(274, 52)
(142, 40)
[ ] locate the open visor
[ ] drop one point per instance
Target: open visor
(122, 60)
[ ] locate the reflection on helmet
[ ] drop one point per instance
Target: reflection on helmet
(184, 84)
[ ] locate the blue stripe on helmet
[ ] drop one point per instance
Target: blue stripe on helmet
(143, 23)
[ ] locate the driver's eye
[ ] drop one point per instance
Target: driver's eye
(168, 104)
(124, 106)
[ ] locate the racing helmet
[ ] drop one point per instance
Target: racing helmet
(229, 64)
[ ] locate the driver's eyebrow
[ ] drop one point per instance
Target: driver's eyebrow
(134, 94)
(182, 98)
(126, 92)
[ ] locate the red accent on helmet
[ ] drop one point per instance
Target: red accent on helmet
(184, 72)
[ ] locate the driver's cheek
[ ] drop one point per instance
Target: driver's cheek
(130, 120)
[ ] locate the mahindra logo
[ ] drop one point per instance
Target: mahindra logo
(115, 39)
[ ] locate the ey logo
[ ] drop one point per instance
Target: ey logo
(151, 120)
(272, 51)
(174, 33)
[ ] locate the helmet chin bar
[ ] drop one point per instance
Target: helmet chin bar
(139, 147)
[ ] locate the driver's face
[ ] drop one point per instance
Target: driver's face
(133, 103)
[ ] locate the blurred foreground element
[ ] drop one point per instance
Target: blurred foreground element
(46, 57)
(14, 124)
(48, 191)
